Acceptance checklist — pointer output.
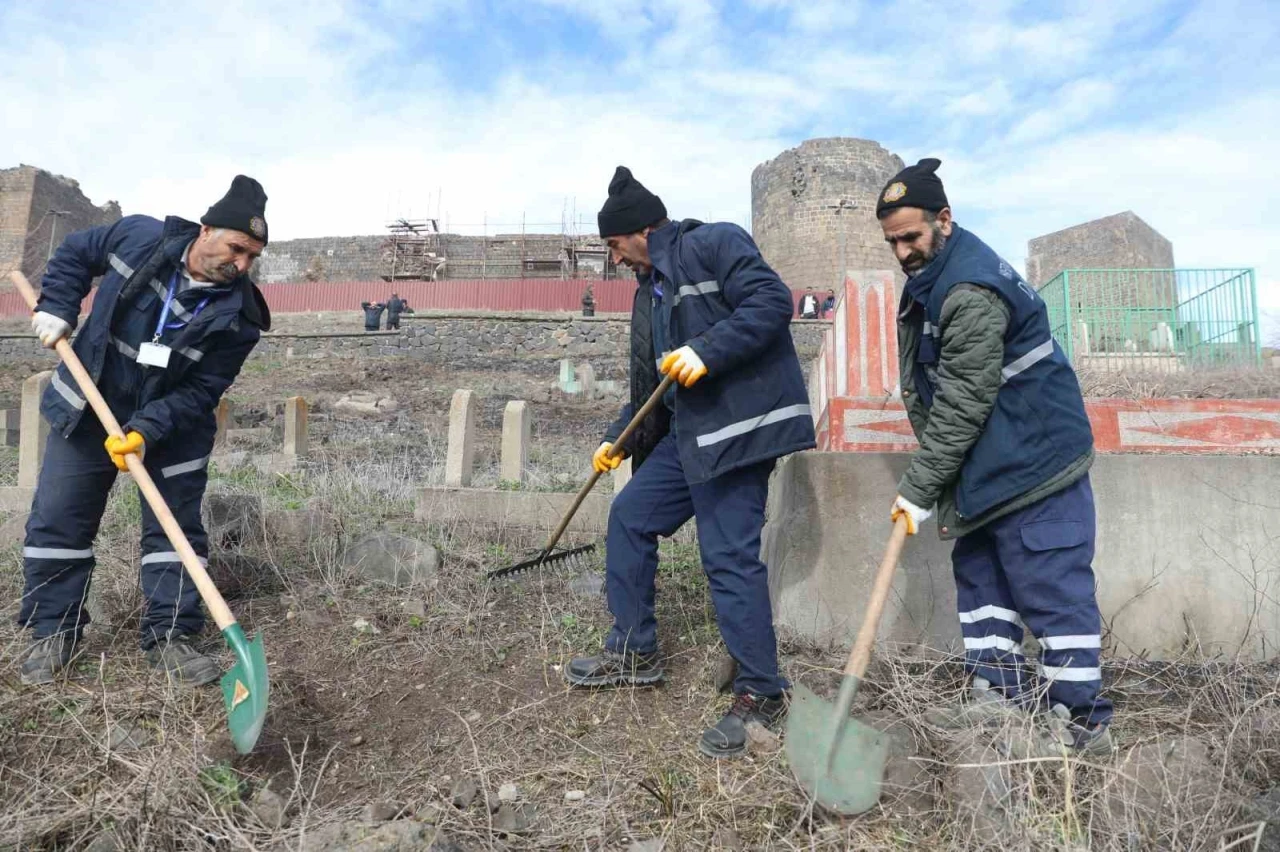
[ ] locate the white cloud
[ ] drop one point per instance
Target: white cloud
(352, 113)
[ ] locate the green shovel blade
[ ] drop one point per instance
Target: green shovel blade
(245, 688)
(838, 761)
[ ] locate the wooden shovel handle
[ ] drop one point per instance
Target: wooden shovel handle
(861, 654)
(213, 599)
(614, 452)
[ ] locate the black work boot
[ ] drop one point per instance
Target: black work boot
(614, 669)
(47, 657)
(729, 736)
(184, 665)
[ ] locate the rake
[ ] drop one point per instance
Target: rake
(548, 556)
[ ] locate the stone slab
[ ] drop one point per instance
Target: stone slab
(460, 461)
(16, 498)
(1186, 555)
(295, 427)
(1200, 426)
(519, 509)
(35, 431)
(517, 432)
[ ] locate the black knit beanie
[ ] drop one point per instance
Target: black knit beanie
(914, 186)
(242, 209)
(630, 207)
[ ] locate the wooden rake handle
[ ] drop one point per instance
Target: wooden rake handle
(861, 654)
(208, 591)
(614, 452)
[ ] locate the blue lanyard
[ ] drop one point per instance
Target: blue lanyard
(164, 311)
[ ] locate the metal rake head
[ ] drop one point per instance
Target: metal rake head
(561, 559)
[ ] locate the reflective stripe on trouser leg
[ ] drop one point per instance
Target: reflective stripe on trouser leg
(655, 502)
(1047, 553)
(730, 514)
(172, 600)
(989, 624)
(57, 554)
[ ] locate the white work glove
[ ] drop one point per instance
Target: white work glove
(914, 514)
(48, 328)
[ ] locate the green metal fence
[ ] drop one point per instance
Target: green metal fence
(1157, 319)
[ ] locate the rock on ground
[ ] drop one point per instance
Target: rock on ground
(268, 806)
(1163, 784)
(397, 836)
(978, 789)
(393, 559)
(907, 787)
(366, 403)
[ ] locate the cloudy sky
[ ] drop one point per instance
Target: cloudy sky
(1045, 113)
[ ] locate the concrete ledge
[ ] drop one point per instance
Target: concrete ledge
(540, 510)
(1188, 554)
(15, 498)
(1218, 426)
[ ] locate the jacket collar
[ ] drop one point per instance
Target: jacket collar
(664, 244)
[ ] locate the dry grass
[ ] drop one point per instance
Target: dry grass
(1238, 383)
(473, 690)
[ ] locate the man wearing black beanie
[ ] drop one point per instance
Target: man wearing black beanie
(712, 315)
(1005, 451)
(173, 319)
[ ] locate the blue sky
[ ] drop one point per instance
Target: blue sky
(1045, 114)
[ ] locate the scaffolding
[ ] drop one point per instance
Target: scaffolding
(413, 252)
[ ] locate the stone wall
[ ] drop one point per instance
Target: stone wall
(813, 207)
(1122, 241)
(448, 337)
(29, 197)
(320, 259)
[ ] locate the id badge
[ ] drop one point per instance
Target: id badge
(154, 355)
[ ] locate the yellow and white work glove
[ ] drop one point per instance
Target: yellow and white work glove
(602, 462)
(684, 366)
(914, 514)
(131, 444)
(49, 328)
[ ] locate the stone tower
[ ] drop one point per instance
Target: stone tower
(813, 210)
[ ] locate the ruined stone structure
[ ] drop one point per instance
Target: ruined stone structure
(37, 211)
(364, 258)
(813, 210)
(1122, 241)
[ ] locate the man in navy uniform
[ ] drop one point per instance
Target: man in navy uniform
(173, 319)
(1005, 451)
(711, 314)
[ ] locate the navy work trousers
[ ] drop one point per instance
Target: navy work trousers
(1035, 567)
(71, 495)
(730, 513)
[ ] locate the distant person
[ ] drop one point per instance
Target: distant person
(808, 305)
(829, 303)
(372, 315)
(395, 307)
(1005, 451)
(712, 315)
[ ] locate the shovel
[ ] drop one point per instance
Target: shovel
(246, 686)
(837, 760)
(545, 556)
